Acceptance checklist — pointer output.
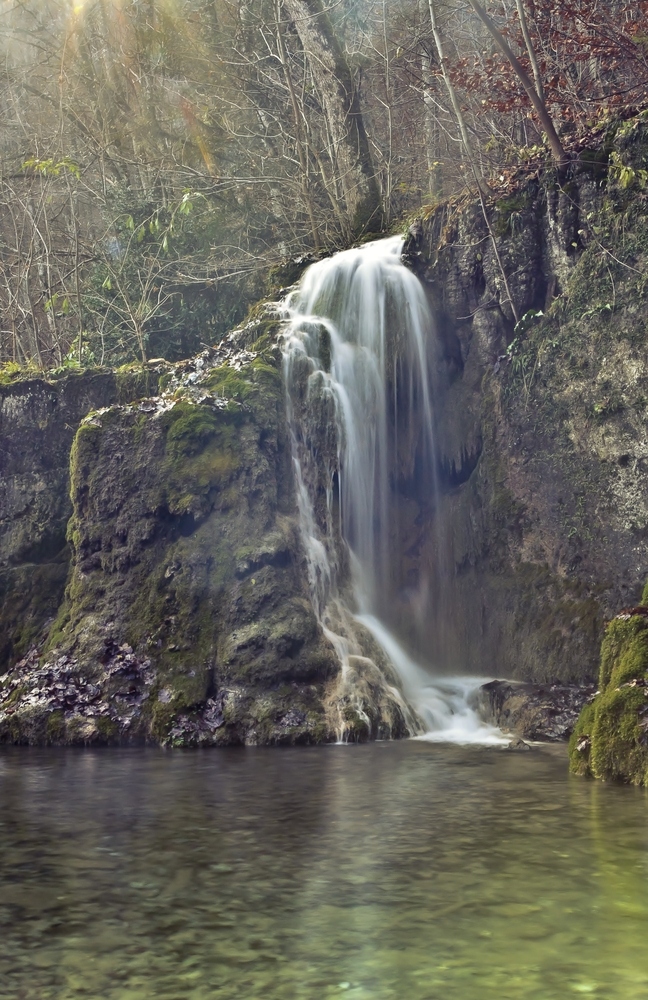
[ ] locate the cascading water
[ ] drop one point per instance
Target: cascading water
(357, 370)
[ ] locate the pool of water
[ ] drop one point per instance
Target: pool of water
(397, 870)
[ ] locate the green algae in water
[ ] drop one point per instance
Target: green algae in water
(384, 871)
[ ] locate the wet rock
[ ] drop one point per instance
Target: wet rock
(196, 729)
(54, 700)
(186, 620)
(38, 421)
(545, 537)
(610, 740)
(518, 744)
(533, 711)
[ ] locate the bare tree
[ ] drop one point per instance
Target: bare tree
(535, 97)
(341, 103)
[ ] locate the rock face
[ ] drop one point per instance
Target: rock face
(38, 421)
(540, 532)
(534, 711)
(186, 618)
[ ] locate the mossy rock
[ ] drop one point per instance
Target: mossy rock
(610, 740)
(189, 429)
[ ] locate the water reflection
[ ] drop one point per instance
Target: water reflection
(394, 870)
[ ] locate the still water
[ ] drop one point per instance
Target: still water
(397, 870)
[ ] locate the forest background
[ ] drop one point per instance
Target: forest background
(164, 163)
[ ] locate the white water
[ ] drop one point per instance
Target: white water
(353, 316)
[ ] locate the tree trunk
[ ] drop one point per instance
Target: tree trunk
(540, 107)
(297, 117)
(537, 76)
(342, 110)
(461, 121)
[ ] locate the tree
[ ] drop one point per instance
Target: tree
(534, 95)
(343, 113)
(569, 62)
(456, 105)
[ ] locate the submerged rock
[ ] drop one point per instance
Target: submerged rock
(517, 744)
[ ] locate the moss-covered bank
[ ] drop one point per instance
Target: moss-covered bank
(610, 740)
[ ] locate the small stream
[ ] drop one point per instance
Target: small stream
(404, 870)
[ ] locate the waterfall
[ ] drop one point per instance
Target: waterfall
(357, 353)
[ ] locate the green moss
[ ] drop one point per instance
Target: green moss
(135, 381)
(202, 452)
(10, 371)
(617, 752)
(55, 728)
(624, 651)
(227, 382)
(190, 426)
(266, 336)
(191, 484)
(189, 687)
(260, 376)
(610, 740)
(107, 729)
(580, 743)
(162, 719)
(508, 212)
(266, 375)
(85, 448)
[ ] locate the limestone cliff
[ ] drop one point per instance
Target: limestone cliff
(38, 421)
(185, 618)
(541, 528)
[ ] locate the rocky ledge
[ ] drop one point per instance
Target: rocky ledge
(186, 618)
(534, 711)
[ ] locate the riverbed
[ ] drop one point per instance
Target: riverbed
(409, 870)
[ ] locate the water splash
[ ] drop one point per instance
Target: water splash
(357, 369)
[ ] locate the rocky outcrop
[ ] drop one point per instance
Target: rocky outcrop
(186, 618)
(542, 712)
(38, 421)
(610, 740)
(540, 530)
